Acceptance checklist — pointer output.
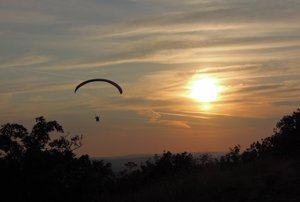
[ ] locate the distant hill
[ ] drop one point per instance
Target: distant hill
(118, 162)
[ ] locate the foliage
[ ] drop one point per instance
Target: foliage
(41, 169)
(284, 142)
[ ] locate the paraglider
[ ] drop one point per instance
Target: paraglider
(105, 80)
(97, 117)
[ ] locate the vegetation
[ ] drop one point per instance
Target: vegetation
(36, 167)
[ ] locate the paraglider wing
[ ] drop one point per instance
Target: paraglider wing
(105, 80)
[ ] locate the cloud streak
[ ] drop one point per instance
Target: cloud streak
(156, 117)
(27, 60)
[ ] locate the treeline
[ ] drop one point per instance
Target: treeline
(36, 167)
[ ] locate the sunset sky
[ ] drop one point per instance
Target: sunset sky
(246, 54)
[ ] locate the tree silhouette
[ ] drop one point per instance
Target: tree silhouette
(233, 157)
(36, 167)
(284, 141)
(10, 137)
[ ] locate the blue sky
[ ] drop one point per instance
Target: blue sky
(153, 49)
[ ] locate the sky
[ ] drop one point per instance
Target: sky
(155, 50)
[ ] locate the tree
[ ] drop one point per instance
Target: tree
(11, 137)
(40, 168)
(284, 141)
(232, 157)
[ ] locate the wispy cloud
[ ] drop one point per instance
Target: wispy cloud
(213, 15)
(288, 103)
(27, 60)
(18, 16)
(193, 48)
(156, 117)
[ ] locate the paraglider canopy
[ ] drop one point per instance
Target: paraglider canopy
(94, 80)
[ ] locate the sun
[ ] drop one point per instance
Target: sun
(205, 90)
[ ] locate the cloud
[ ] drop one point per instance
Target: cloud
(180, 124)
(183, 48)
(156, 117)
(212, 16)
(190, 32)
(27, 60)
(287, 103)
(150, 114)
(18, 16)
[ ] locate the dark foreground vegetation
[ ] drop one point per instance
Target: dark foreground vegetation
(35, 167)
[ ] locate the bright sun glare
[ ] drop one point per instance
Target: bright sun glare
(205, 90)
